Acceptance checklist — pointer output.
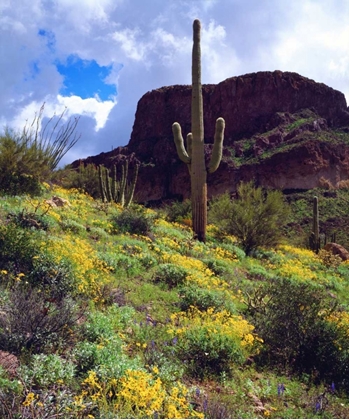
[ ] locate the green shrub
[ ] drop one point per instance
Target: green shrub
(106, 358)
(178, 211)
(54, 279)
(293, 320)
(219, 267)
(204, 299)
(85, 178)
(205, 354)
(18, 247)
(69, 225)
(104, 325)
(133, 220)
(256, 217)
(45, 370)
(171, 274)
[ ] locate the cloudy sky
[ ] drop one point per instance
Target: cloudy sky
(98, 57)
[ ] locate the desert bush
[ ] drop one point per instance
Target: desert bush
(45, 370)
(133, 220)
(219, 267)
(84, 178)
(329, 259)
(171, 274)
(69, 225)
(294, 320)
(23, 261)
(256, 217)
(209, 342)
(105, 357)
(31, 322)
(18, 247)
(178, 211)
(203, 299)
(30, 220)
(54, 279)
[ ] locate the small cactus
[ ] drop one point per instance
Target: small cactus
(194, 155)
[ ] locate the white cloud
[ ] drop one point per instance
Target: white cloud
(74, 105)
(219, 59)
(316, 45)
(130, 43)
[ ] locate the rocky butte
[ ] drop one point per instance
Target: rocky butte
(283, 130)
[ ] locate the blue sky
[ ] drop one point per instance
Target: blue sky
(96, 58)
(86, 79)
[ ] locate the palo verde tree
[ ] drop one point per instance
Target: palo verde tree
(256, 217)
(194, 155)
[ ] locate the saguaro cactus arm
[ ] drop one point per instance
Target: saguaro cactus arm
(178, 138)
(217, 150)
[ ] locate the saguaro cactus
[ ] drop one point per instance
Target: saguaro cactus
(194, 155)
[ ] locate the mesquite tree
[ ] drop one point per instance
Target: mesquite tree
(194, 155)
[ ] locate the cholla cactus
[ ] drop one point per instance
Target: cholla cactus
(194, 155)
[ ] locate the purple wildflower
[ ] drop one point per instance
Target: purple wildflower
(205, 404)
(281, 389)
(317, 406)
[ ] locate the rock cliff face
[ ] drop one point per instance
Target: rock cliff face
(280, 131)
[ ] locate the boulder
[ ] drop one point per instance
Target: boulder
(337, 249)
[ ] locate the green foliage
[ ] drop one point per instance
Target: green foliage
(102, 349)
(256, 218)
(133, 220)
(293, 320)
(103, 325)
(45, 370)
(204, 299)
(63, 297)
(205, 354)
(178, 211)
(18, 247)
(170, 274)
(84, 178)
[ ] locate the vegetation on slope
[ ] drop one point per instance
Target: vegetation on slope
(118, 313)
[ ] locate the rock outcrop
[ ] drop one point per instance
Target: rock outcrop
(279, 131)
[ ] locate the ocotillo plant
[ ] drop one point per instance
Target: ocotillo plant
(194, 156)
(315, 237)
(118, 191)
